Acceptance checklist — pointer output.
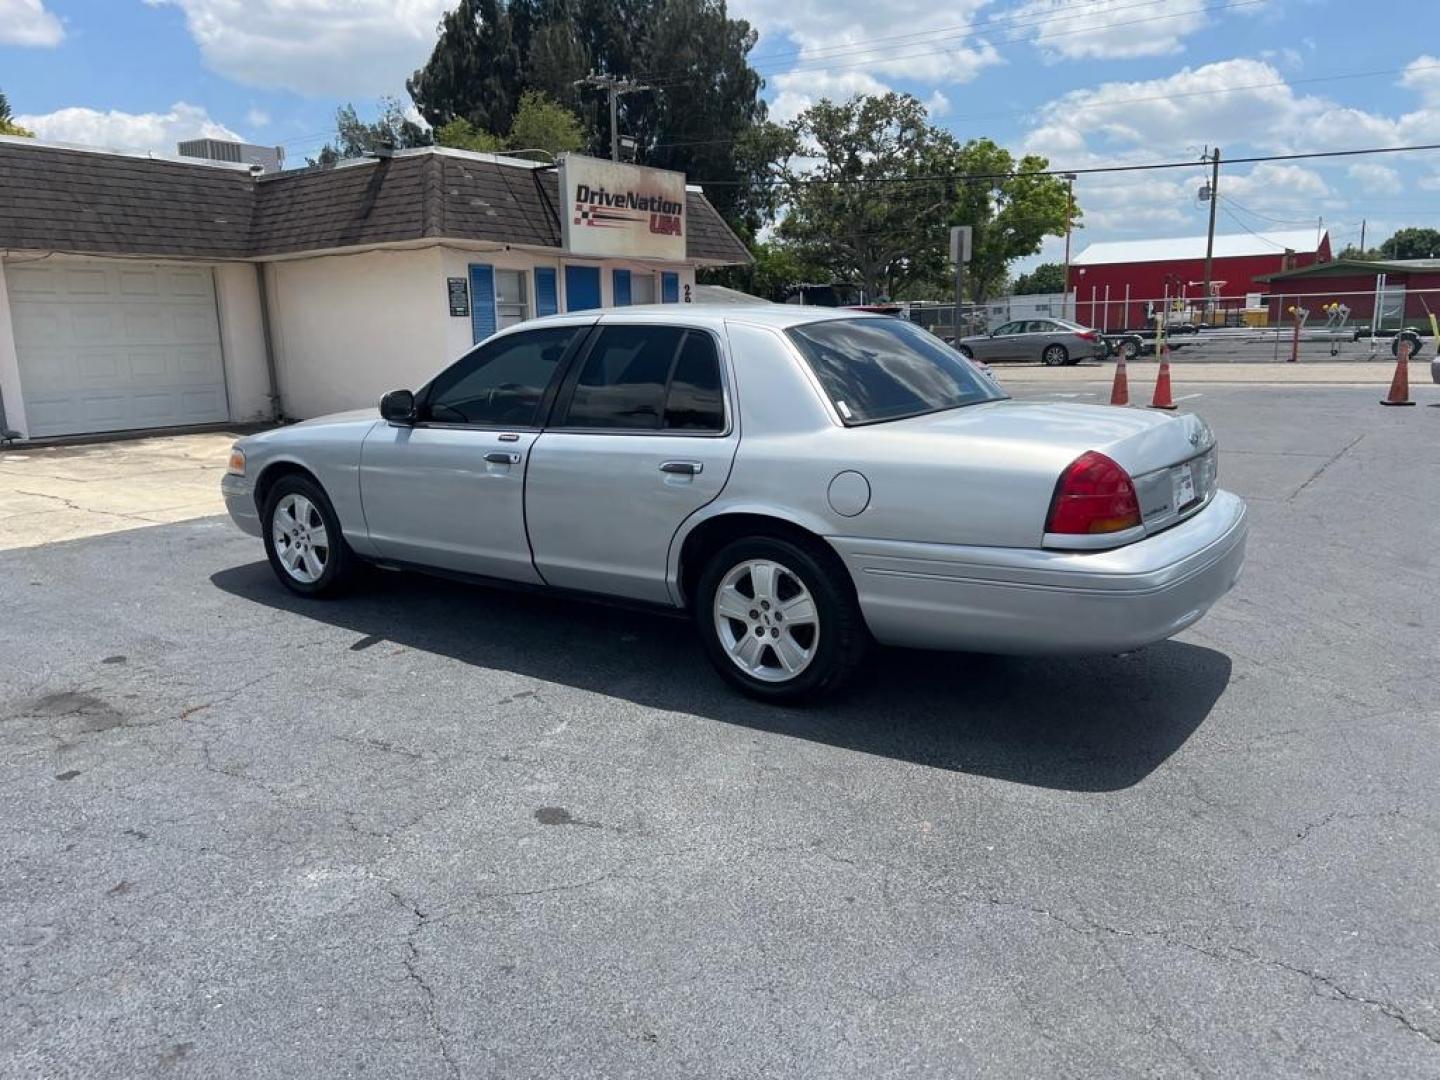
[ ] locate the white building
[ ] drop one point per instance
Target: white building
(139, 292)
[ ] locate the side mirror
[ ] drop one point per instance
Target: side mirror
(398, 407)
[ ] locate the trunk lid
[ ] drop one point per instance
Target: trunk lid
(1165, 454)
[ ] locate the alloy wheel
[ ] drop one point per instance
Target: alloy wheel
(301, 542)
(766, 620)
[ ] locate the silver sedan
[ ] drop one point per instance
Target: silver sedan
(801, 481)
(1053, 342)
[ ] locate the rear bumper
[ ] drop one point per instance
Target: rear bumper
(240, 502)
(1030, 601)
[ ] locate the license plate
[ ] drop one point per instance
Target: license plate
(1183, 479)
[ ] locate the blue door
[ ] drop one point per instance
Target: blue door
(547, 300)
(621, 287)
(669, 288)
(482, 301)
(582, 288)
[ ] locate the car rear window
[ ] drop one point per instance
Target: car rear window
(888, 369)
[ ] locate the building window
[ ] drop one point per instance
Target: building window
(511, 304)
(642, 287)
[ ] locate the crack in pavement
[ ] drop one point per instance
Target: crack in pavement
(1230, 954)
(412, 971)
(1321, 470)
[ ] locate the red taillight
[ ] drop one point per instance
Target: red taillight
(1089, 335)
(1094, 495)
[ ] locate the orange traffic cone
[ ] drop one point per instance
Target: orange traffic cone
(1400, 384)
(1162, 399)
(1120, 391)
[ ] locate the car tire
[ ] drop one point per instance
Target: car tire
(743, 589)
(1130, 349)
(1054, 355)
(303, 540)
(965, 352)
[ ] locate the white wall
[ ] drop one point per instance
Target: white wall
(242, 340)
(10, 364)
(348, 328)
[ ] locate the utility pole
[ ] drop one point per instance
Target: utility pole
(616, 87)
(1210, 236)
(1362, 236)
(1069, 179)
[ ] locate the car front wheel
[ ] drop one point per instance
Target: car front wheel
(779, 620)
(303, 540)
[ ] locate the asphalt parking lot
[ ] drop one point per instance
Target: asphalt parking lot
(436, 831)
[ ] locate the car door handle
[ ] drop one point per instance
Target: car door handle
(684, 468)
(502, 457)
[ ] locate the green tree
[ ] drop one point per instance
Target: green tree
(1045, 278)
(869, 208)
(355, 138)
(1010, 207)
(777, 267)
(463, 135)
(474, 71)
(544, 124)
(7, 121)
(1350, 251)
(1412, 244)
(702, 114)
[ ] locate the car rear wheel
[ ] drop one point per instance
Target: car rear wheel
(1054, 355)
(1130, 349)
(779, 620)
(303, 540)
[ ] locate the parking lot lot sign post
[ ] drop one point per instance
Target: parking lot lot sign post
(960, 236)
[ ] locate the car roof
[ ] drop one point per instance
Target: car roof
(714, 317)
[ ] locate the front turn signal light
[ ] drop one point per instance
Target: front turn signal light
(237, 462)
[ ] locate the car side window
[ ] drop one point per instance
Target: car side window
(1039, 326)
(695, 401)
(622, 384)
(1007, 329)
(501, 382)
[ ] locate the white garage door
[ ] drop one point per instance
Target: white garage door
(108, 346)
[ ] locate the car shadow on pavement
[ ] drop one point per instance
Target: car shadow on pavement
(1078, 724)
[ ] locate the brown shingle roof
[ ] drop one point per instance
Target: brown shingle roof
(54, 199)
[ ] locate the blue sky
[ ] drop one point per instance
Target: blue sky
(1084, 82)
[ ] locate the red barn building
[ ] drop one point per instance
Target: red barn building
(1408, 290)
(1150, 272)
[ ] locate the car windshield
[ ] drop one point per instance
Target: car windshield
(888, 369)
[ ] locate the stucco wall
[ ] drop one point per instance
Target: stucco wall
(242, 340)
(348, 328)
(9, 364)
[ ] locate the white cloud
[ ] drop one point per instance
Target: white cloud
(800, 90)
(910, 39)
(937, 104)
(113, 130)
(26, 22)
(257, 118)
(362, 48)
(1245, 106)
(1376, 179)
(1110, 29)
(1423, 76)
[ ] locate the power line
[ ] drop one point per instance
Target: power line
(1118, 102)
(1089, 170)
